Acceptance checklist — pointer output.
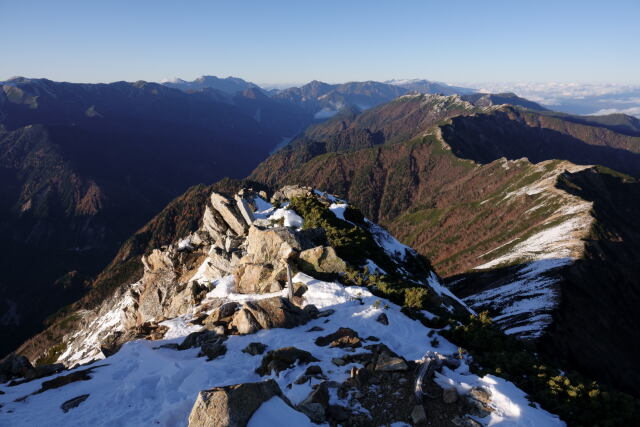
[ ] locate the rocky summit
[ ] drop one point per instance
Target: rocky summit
(292, 308)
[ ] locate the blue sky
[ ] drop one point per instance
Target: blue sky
(296, 41)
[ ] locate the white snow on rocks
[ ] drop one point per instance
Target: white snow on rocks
(143, 384)
(291, 219)
(525, 302)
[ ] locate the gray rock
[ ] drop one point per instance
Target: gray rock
(73, 403)
(382, 318)
(316, 404)
(244, 208)
(222, 314)
(255, 348)
(338, 361)
(229, 212)
(244, 322)
(284, 358)
(314, 411)
(232, 405)
(213, 348)
(268, 313)
(388, 363)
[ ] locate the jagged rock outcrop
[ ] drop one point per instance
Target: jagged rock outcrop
(265, 262)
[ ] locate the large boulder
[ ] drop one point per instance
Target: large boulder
(268, 313)
(233, 405)
(322, 260)
(288, 192)
(265, 262)
(229, 212)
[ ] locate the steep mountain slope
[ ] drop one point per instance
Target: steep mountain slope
(510, 234)
(515, 133)
(84, 165)
(338, 351)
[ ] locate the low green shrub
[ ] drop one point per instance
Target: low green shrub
(577, 400)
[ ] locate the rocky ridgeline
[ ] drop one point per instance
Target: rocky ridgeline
(250, 269)
(236, 239)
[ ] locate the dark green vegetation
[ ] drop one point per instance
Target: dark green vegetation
(351, 242)
(576, 399)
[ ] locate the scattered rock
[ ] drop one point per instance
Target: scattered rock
(449, 395)
(383, 359)
(244, 322)
(233, 405)
(326, 313)
(284, 358)
(255, 348)
(72, 403)
(299, 289)
(382, 318)
(315, 405)
(480, 400)
(62, 380)
(372, 338)
(313, 370)
(338, 361)
(387, 362)
(196, 339)
(315, 329)
(343, 337)
(213, 348)
(211, 343)
(224, 313)
(418, 415)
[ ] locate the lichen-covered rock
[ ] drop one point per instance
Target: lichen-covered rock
(233, 405)
(321, 259)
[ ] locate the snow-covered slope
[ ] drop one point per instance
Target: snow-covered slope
(130, 364)
(144, 384)
(524, 297)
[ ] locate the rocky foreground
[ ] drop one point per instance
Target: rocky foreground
(262, 317)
